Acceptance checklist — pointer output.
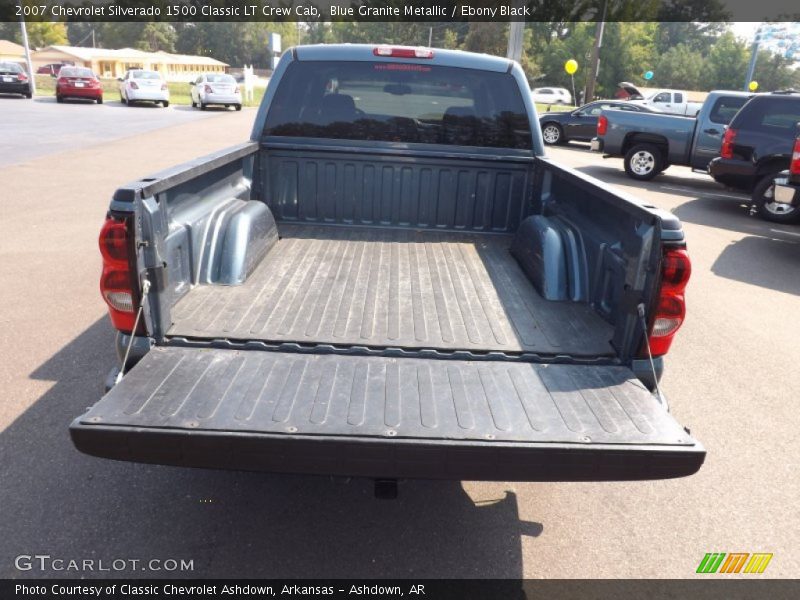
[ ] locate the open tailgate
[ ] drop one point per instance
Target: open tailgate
(378, 416)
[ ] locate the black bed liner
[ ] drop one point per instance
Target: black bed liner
(392, 288)
(387, 417)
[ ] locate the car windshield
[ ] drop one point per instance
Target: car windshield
(220, 79)
(400, 102)
(75, 72)
(145, 75)
(10, 68)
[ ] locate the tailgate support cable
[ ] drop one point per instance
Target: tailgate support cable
(145, 289)
(640, 310)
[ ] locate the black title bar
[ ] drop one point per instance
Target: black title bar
(399, 10)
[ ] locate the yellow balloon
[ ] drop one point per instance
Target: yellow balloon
(571, 66)
(753, 85)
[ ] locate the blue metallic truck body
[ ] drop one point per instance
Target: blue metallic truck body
(689, 141)
(337, 307)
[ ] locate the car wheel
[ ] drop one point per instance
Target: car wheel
(238, 107)
(552, 134)
(763, 200)
(29, 95)
(100, 100)
(59, 99)
(165, 104)
(194, 104)
(643, 162)
(202, 106)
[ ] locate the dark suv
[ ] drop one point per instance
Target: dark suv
(758, 142)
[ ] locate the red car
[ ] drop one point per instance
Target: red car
(78, 82)
(52, 69)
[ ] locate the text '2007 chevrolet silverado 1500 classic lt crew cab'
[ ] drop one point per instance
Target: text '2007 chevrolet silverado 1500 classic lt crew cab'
(391, 280)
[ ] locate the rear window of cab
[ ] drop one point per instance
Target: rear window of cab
(770, 113)
(399, 102)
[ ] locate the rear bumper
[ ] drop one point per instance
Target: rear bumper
(787, 193)
(14, 88)
(739, 174)
(148, 95)
(221, 99)
(92, 93)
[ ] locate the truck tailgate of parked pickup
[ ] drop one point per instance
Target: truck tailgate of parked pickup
(418, 294)
(378, 416)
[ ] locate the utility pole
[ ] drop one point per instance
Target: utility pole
(31, 74)
(516, 35)
(516, 30)
(594, 67)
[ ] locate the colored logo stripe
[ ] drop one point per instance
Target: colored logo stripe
(713, 562)
(758, 562)
(734, 562)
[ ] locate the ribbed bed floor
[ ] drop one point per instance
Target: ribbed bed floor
(396, 288)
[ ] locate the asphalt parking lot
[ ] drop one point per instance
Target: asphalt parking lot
(732, 376)
(66, 129)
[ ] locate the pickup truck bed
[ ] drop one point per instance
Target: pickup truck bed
(401, 288)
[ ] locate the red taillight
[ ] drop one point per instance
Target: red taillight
(114, 242)
(116, 281)
(164, 87)
(133, 85)
(22, 77)
(670, 310)
(794, 166)
(62, 81)
(402, 52)
(602, 125)
(236, 90)
(208, 89)
(726, 150)
(94, 82)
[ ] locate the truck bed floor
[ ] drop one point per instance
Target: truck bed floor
(392, 288)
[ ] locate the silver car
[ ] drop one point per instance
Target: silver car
(141, 85)
(218, 89)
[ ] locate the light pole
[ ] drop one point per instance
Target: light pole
(31, 75)
(594, 66)
(751, 69)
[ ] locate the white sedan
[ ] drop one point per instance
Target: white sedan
(216, 88)
(140, 85)
(551, 95)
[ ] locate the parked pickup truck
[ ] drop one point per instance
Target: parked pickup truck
(675, 102)
(650, 143)
(391, 280)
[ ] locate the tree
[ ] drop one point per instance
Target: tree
(46, 34)
(727, 63)
(157, 36)
(682, 68)
(775, 72)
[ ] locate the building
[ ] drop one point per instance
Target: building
(113, 63)
(11, 51)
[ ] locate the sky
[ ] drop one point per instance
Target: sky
(745, 31)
